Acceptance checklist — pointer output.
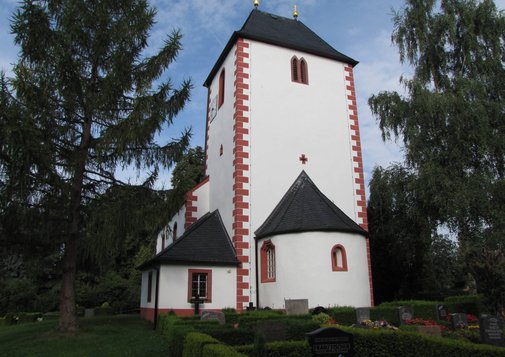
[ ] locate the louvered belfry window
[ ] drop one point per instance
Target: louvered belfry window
(299, 70)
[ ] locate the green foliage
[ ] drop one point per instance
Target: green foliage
(194, 343)
(84, 92)
(452, 125)
(343, 315)
(220, 351)
(259, 345)
(321, 318)
(280, 349)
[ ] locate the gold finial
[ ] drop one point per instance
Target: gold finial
(256, 3)
(295, 12)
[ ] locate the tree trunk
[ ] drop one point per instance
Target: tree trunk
(68, 315)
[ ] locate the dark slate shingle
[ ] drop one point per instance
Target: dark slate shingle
(304, 208)
(206, 242)
(280, 31)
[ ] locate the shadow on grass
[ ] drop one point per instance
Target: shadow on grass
(124, 335)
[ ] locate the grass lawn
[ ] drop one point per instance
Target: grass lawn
(98, 336)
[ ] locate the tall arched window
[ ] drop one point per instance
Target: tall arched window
(338, 258)
(303, 72)
(294, 69)
(299, 70)
(221, 89)
(267, 257)
(174, 231)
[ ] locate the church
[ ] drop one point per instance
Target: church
(281, 213)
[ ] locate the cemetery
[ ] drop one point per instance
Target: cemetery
(403, 328)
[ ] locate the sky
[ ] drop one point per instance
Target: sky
(360, 29)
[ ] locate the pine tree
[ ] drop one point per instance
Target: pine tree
(452, 124)
(86, 92)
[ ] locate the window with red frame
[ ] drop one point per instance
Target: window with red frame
(200, 284)
(299, 71)
(267, 256)
(338, 258)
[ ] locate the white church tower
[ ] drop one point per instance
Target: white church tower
(284, 175)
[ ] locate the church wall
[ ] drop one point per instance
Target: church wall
(179, 218)
(312, 120)
(304, 271)
(173, 292)
(220, 132)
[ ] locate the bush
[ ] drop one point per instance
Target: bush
(343, 315)
(229, 335)
(174, 333)
(195, 342)
(280, 349)
(470, 304)
(321, 318)
(220, 351)
(388, 313)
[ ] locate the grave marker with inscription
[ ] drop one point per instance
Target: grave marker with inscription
(297, 306)
(442, 312)
(459, 320)
(491, 330)
(405, 313)
(330, 341)
(213, 315)
(362, 314)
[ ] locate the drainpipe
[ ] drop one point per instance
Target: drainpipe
(257, 274)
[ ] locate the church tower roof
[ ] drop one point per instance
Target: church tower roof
(305, 208)
(280, 31)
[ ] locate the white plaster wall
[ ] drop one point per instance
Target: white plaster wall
(202, 203)
(289, 119)
(173, 293)
(180, 219)
(304, 271)
(220, 131)
(143, 289)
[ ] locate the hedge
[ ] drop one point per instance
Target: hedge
(280, 349)
(174, 333)
(343, 315)
(220, 351)
(195, 342)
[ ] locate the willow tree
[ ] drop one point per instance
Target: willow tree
(94, 103)
(451, 120)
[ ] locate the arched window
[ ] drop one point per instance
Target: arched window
(221, 89)
(163, 237)
(267, 257)
(174, 231)
(338, 258)
(294, 69)
(221, 150)
(303, 72)
(299, 70)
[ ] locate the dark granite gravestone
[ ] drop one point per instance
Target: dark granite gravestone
(491, 330)
(459, 320)
(405, 313)
(442, 312)
(213, 315)
(362, 314)
(330, 341)
(297, 306)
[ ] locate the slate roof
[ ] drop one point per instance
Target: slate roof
(280, 31)
(304, 208)
(205, 241)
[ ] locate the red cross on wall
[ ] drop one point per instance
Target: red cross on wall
(303, 159)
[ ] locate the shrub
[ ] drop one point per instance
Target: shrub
(2, 321)
(470, 304)
(229, 335)
(343, 315)
(387, 313)
(321, 318)
(195, 342)
(280, 349)
(220, 351)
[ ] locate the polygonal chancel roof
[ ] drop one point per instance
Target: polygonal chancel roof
(304, 208)
(280, 31)
(205, 241)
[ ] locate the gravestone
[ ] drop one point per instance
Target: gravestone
(330, 341)
(213, 315)
(405, 313)
(459, 320)
(196, 301)
(362, 314)
(491, 330)
(297, 306)
(442, 312)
